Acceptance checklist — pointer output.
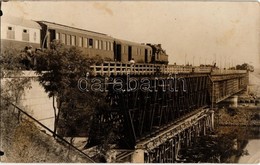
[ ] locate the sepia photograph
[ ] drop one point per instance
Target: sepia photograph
(114, 81)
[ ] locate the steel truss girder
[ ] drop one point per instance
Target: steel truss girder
(147, 113)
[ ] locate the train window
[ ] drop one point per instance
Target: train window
(80, 42)
(73, 40)
(105, 45)
(85, 42)
(96, 44)
(111, 46)
(68, 39)
(25, 35)
(63, 38)
(108, 45)
(34, 36)
(57, 36)
(90, 43)
(10, 33)
(100, 44)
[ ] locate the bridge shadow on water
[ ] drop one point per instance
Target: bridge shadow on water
(228, 144)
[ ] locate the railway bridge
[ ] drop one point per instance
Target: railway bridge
(161, 109)
(155, 110)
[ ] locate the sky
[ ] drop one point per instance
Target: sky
(190, 32)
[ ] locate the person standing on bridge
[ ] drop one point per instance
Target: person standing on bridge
(132, 62)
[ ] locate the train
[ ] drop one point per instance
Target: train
(32, 35)
(29, 36)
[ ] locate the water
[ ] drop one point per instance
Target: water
(253, 145)
(253, 148)
(248, 140)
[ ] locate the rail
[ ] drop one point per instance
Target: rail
(20, 111)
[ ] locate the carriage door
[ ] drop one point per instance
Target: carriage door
(117, 52)
(129, 53)
(146, 56)
(51, 37)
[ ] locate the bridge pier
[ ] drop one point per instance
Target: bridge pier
(166, 145)
(138, 156)
(234, 100)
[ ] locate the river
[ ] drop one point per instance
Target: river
(253, 148)
(253, 144)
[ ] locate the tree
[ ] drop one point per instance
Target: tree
(13, 84)
(212, 149)
(245, 66)
(59, 70)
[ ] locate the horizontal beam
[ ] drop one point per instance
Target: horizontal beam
(174, 130)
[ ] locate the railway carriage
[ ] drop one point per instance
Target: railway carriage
(19, 33)
(22, 34)
(124, 51)
(91, 43)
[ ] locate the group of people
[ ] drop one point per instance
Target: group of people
(28, 58)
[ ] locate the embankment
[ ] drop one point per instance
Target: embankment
(23, 142)
(239, 116)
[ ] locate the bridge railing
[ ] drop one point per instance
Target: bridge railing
(115, 68)
(202, 69)
(169, 69)
(223, 71)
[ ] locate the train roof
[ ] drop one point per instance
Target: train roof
(20, 22)
(53, 25)
(131, 43)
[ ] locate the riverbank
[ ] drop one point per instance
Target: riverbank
(246, 140)
(253, 153)
(238, 116)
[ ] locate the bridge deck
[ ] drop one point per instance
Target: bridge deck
(116, 68)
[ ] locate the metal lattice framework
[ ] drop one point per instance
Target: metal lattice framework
(137, 114)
